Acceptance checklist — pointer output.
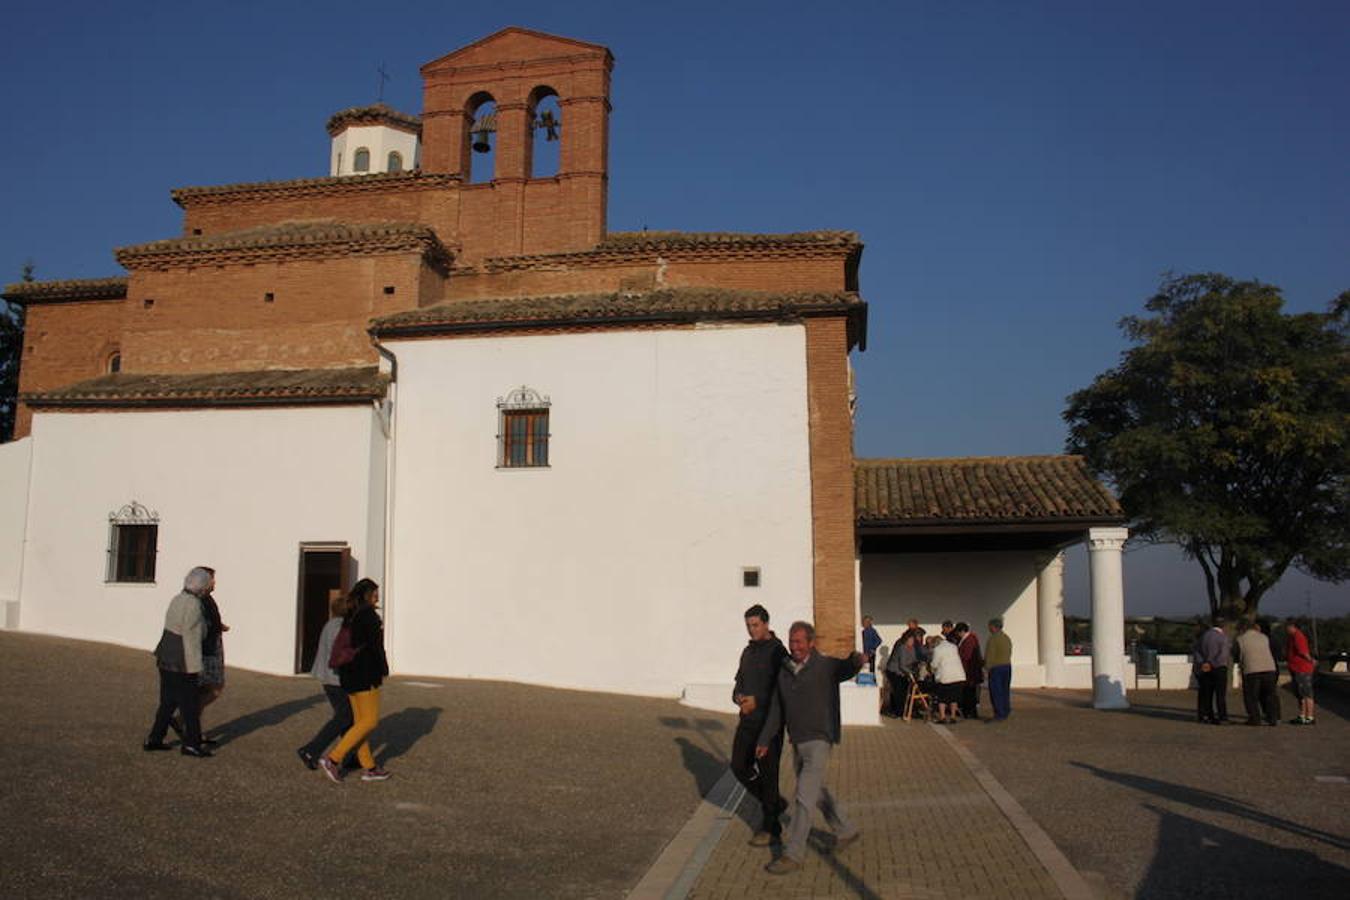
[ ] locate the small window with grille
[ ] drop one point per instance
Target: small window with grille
(133, 543)
(522, 438)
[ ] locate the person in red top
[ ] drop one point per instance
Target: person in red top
(1301, 665)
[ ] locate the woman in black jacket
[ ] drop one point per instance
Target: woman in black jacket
(361, 679)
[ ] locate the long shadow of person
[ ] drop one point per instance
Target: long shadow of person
(1213, 802)
(262, 718)
(1194, 858)
(403, 729)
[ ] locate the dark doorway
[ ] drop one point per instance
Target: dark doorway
(323, 570)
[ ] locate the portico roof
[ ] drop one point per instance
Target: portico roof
(975, 492)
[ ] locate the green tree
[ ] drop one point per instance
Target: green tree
(1224, 431)
(11, 352)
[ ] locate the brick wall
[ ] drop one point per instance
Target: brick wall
(218, 318)
(65, 343)
(832, 514)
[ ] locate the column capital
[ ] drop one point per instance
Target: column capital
(1107, 538)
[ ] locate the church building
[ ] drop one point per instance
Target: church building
(570, 456)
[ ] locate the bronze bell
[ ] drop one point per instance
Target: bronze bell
(482, 127)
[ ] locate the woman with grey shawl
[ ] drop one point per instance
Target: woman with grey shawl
(179, 658)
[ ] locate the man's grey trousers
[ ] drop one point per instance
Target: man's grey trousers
(810, 759)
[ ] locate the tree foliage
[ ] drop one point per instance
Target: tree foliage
(1224, 430)
(11, 352)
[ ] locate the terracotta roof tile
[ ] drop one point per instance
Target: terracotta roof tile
(314, 237)
(979, 489)
(375, 114)
(312, 187)
(59, 291)
(636, 240)
(219, 388)
(659, 306)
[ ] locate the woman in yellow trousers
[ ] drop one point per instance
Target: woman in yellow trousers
(361, 679)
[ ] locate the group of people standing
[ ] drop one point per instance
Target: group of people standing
(190, 658)
(949, 668)
(1214, 653)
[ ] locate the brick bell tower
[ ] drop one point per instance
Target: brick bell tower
(516, 69)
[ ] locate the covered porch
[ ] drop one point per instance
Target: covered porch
(968, 539)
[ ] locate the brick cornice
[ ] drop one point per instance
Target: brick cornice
(308, 188)
(68, 291)
(291, 241)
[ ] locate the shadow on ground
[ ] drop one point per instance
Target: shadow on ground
(400, 731)
(1189, 853)
(248, 723)
(1213, 802)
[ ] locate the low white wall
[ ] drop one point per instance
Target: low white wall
(14, 462)
(238, 490)
(677, 458)
(972, 587)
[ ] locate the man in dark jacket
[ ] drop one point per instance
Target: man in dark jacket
(968, 645)
(755, 680)
(807, 698)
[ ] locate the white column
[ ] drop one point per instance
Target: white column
(1108, 617)
(1050, 618)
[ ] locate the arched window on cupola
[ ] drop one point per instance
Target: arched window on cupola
(361, 160)
(395, 163)
(545, 145)
(480, 158)
(114, 362)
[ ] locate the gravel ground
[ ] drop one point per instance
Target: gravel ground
(499, 790)
(1149, 804)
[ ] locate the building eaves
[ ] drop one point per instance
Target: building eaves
(618, 309)
(375, 114)
(320, 238)
(981, 490)
(714, 240)
(255, 388)
(301, 188)
(73, 290)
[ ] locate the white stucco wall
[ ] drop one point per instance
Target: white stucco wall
(676, 459)
(379, 140)
(14, 462)
(972, 587)
(238, 490)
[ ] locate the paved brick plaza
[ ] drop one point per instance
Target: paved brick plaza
(505, 790)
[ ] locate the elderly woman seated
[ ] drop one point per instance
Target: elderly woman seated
(901, 669)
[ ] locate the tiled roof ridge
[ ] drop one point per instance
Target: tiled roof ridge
(301, 238)
(329, 184)
(626, 309)
(964, 460)
(665, 304)
(990, 489)
(700, 243)
(373, 113)
(704, 238)
(111, 288)
(137, 388)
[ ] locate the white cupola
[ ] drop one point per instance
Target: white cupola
(374, 139)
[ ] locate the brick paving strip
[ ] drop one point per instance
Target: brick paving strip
(935, 824)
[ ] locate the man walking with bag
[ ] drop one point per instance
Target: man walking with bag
(807, 698)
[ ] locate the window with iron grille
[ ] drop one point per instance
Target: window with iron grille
(522, 438)
(133, 544)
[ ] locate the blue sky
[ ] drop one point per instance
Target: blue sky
(1022, 173)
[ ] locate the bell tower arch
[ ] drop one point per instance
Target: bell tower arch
(514, 213)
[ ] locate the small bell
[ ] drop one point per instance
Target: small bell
(484, 126)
